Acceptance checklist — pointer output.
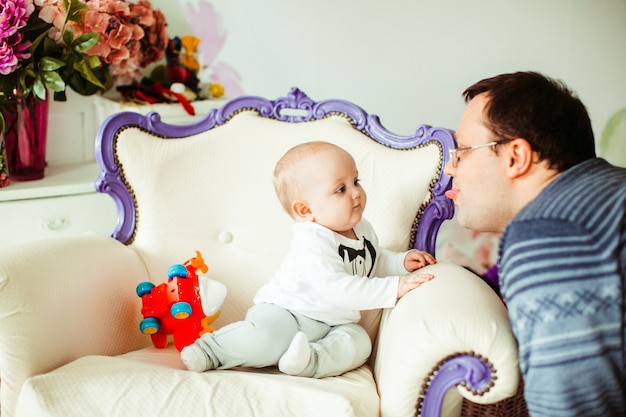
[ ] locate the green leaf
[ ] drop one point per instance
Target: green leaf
(39, 89)
(51, 48)
(53, 81)
(85, 41)
(86, 72)
(74, 7)
(93, 61)
(68, 35)
(22, 85)
(37, 41)
(50, 64)
(29, 71)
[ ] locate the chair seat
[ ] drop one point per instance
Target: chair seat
(99, 386)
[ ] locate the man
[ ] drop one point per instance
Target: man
(526, 166)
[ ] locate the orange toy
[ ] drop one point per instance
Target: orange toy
(175, 307)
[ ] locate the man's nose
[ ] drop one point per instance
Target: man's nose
(449, 169)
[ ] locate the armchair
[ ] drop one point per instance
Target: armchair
(70, 343)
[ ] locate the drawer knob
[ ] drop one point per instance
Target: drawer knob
(54, 223)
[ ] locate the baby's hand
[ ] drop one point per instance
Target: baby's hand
(410, 282)
(416, 259)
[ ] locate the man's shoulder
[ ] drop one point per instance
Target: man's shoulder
(577, 194)
(592, 177)
(584, 204)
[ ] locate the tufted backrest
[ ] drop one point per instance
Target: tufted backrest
(208, 186)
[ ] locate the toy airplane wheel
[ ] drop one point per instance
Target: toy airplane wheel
(144, 288)
(149, 325)
(177, 270)
(180, 310)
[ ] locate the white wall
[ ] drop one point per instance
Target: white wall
(409, 60)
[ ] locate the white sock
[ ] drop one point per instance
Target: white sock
(194, 358)
(297, 356)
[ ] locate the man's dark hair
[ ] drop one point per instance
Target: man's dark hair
(541, 110)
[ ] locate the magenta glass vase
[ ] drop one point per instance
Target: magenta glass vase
(25, 138)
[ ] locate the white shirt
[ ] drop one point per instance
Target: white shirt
(330, 278)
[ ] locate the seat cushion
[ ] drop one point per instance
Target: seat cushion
(101, 386)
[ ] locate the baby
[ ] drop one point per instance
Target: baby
(305, 319)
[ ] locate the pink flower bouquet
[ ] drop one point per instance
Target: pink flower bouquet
(87, 45)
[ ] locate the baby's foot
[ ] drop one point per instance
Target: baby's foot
(297, 356)
(194, 358)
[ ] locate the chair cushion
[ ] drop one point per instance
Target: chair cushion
(99, 386)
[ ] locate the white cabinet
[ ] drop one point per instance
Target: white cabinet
(26, 220)
(65, 202)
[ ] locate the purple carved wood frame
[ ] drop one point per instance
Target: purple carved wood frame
(296, 107)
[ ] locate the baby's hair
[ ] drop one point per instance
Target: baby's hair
(287, 182)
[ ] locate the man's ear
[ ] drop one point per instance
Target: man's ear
(301, 211)
(520, 157)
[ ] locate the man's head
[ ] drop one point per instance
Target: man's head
(543, 111)
(319, 182)
(517, 133)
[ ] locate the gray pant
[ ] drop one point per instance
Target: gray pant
(266, 332)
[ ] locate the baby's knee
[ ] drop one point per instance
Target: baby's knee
(273, 325)
(360, 340)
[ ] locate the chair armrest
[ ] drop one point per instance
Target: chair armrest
(63, 299)
(452, 331)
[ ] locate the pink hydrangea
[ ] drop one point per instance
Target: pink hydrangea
(53, 11)
(8, 60)
(14, 15)
(155, 40)
(119, 38)
(11, 54)
(132, 35)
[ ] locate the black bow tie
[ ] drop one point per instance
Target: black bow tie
(352, 253)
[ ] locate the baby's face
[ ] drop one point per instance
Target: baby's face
(332, 190)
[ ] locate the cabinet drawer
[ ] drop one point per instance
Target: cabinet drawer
(26, 220)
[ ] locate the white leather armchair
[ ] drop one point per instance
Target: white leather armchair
(70, 343)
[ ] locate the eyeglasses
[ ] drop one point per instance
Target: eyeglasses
(455, 154)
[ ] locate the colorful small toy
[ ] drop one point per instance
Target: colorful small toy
(184, 306)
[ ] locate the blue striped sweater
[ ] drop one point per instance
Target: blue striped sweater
(562, 273)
